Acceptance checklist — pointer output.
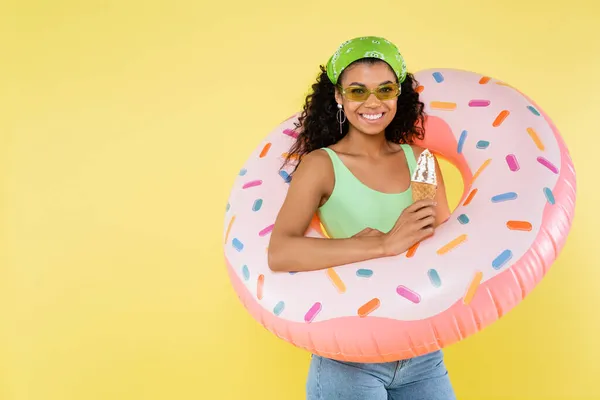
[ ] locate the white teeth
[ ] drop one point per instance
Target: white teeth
(372, 116)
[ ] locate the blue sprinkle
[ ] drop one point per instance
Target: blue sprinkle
(502, 259)
(463, 219)
(293, 273)
(483, 144)
(278, 308)
(286, 177)
(239, 246)
(364, 273)
(533, 110)
(243, 171)
(227, 207)
(438, 77)
(434, 277)
(549, 195)
(257, 204)
(461, 141)
(504, 197)
(246, 272)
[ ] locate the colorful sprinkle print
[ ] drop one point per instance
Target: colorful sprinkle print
(470, 197)
(512, 162)
(252, 184)
(500, 118)
(519, 225)
(479, 103)
(439, 78)
(408, 294)
(266, 231)
(536, 138)
(548, 164)
(260, 284)
(265, 150)
(434, 278)
(312, 312)
(504, 197)
(482, 144)
(472, 288)
(461, 141)
(533, 111)
(442, 266)
(291, 133)
(502, 259)
(286, 177)
(369, 307)
(452, 244)
(257, 205)
(239, 246)
(279, 307)
(549, 195)
(336, 280)
(442, 105)
(364, 273)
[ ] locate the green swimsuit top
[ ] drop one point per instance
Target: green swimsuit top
(353, 206)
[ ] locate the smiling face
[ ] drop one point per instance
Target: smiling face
(373, 115)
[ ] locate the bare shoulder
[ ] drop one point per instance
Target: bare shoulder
(315, 161)
(315, 169)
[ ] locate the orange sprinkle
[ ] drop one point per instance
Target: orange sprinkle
(484, 80)
(229, 228)
(265, 150)
(472, 287)
(420, 88)
(442, 105)
(536, 138)
(336, 280)
(519, 225)
(413, 249)
(291, 156)
(470, 197)
(500, 118)
(480, 170)
(259, 286)
(369, 307)
(452, 244)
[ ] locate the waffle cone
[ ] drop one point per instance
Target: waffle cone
(421, 190)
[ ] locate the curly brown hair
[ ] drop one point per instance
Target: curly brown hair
(318, 126)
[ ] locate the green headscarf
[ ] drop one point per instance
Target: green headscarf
(365, 47)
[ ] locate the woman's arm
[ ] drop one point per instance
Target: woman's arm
(290, 249)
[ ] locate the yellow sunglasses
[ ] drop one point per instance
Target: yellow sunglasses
(361, 93)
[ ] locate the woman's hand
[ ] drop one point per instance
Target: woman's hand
(416, 223)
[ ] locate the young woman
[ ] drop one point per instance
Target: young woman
(355, 144)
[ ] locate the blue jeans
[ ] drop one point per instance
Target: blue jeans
(424, 377)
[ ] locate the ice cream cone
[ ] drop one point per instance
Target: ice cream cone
(421, 190)
(424, 179)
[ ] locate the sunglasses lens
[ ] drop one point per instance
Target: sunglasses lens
(387, 92)
(359, 93)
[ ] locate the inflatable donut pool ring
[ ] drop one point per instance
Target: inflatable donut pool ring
(510, 225)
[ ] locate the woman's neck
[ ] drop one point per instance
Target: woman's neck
(366, 145)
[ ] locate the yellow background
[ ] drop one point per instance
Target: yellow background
(122, 126)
